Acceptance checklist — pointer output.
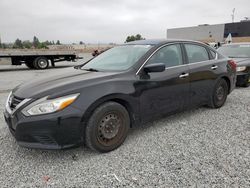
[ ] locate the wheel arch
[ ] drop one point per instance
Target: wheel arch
(228, 83)
(118, 98)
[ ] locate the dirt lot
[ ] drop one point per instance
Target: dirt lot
(197, 148)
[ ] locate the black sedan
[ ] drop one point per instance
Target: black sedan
(97, 103)
(240, 52)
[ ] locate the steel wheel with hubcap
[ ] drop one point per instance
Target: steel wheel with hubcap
(220, 93)
(107, 128)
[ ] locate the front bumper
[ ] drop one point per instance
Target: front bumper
(242, 78)
(59, 130)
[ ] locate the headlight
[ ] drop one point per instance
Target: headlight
(44, 106)
(8, 100)
(240, 69)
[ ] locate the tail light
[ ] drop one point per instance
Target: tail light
(232, 64)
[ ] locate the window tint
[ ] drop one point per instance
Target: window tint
(196, 53)
(170, 55)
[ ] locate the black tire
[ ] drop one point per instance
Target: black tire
(30, 65)
(219, 95)
(107, 128)
(246, 83)
(41, 63)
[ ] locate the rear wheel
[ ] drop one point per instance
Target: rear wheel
(41, 63)
(220, 93)
(108, 127)
(30, 65)
(246, 84)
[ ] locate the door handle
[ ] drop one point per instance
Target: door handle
(184, 75)
(214, 67)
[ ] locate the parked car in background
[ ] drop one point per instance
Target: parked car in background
(240, 52)
(123, 87)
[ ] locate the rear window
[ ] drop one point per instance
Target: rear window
(196, 53)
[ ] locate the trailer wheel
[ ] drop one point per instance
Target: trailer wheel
(30, 64)
(41, 63)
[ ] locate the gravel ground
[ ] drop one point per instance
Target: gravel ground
(197, 148)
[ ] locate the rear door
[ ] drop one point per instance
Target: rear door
(165, 92)
(204, 69)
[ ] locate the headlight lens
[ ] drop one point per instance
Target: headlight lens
(240, 69)
(8, 100)
(50, 106)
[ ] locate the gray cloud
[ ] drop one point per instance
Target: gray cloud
(110, 20)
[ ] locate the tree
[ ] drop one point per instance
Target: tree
(58, 42)
(4, 46)
(47, 43)
(35, 42)
(18, 44)
(42, 45)
(139, 37)
(81, 43)
(133, 38)
(27, 44)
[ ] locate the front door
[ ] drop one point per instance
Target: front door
(165, 92)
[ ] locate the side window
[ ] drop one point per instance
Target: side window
(169, 55)
(196, 53)
(213, 53)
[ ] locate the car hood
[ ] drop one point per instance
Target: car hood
(62, 83)
(242, 61)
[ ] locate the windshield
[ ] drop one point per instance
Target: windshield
(119, 58)
(235, 51)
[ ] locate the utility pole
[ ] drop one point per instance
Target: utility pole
(233, 13)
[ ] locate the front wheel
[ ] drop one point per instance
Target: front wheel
(108, 127)
(246, 81)
(220, 93)
(246, 84)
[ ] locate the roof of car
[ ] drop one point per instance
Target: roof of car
(237, 43)
(156, 41)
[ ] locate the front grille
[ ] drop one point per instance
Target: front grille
(14, 101)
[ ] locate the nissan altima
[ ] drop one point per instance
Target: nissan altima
(98, 102)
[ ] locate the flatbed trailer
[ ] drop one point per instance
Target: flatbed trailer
(38, 59)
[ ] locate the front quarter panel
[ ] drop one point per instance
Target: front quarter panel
(115, 89)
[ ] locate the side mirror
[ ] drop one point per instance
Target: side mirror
(156, 67)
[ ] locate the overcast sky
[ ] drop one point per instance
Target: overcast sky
(105, 21)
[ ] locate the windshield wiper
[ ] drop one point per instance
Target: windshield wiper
(91, 69)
